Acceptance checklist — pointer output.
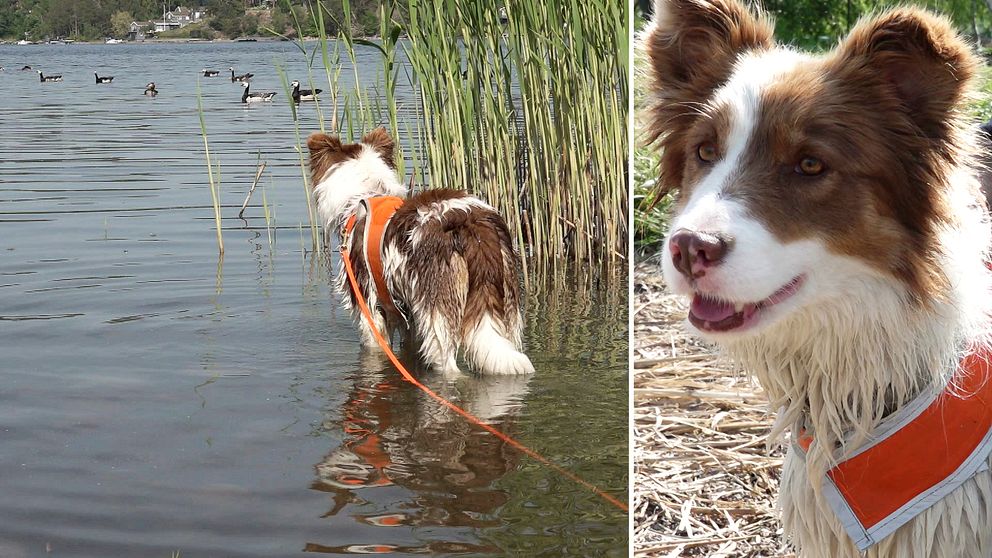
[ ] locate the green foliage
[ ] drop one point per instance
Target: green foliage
(282, 21)
(120, 23)
(199, 30)
(819, 24)
(229, 18)
(650, 217)
(981, 108)
(83, 19)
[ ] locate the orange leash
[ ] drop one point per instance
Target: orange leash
(468, 416)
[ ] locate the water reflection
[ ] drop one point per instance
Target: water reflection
(407, 460)
(437, 547)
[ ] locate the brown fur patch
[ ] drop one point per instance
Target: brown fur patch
(922, 60)
(468, 251)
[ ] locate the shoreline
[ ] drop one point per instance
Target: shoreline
(169, 40)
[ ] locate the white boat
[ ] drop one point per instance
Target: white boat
(24, 42)
(114, 41)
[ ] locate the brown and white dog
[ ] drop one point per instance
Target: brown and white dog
(831, 234)
(447, 259)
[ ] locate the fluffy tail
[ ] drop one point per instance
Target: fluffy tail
(492, 350)
(493, 326)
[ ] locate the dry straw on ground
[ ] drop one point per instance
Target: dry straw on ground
(705, 484)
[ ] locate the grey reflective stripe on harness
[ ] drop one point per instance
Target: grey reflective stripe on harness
(894, 478)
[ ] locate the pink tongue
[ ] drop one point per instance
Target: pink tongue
(711, 310)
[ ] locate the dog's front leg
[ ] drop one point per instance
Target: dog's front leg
(369, 341)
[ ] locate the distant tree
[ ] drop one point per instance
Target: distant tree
(12, 21)
(249, 25)
(226, 16)
(281, 21)
(285, 19)
(120, 23)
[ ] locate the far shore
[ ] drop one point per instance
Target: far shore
(263, 39)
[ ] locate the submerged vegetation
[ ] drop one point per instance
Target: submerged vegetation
(524, 105)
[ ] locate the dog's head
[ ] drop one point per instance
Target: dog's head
(327, 153)
(802, 179)
(343, 173)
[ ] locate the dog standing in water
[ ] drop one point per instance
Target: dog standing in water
(439, 263)
(831, 235)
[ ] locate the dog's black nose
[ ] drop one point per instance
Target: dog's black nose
(694, 251)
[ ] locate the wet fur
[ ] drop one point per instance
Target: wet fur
(893, 241)
(448, 259)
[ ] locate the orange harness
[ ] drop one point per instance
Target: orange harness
(918, 456)
(378, 211)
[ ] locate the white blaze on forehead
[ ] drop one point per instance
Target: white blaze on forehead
(741, 98)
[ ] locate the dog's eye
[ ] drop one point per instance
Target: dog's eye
(810, 166)
(706, 152)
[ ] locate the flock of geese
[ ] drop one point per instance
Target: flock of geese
(247, 97)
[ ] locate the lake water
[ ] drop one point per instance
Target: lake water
(156, 399)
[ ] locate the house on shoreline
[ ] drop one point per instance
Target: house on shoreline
(176, 19)
(141, 30)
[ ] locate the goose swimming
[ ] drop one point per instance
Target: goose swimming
(304, 94)
(242, 78)
(247, 97)
(53, 77)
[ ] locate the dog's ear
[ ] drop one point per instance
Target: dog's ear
(327, 151)
(320, 143)
(380, 140)
(922, 61)
(692, 46)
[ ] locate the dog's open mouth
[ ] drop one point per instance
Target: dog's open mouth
(716, 315)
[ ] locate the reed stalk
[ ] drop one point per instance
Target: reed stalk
(269, 218)
(316, 243)
(214, 185)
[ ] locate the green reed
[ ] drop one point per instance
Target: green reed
(316, 244)
(528, 107)
(525, 107)
(351, 111)
(214, 185)
(269, 215)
